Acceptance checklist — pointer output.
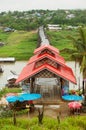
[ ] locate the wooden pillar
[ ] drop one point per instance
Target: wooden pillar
(61, 87)
(32, 85)
(14, 117)
(83, 88)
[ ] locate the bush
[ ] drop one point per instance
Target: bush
(5, 90)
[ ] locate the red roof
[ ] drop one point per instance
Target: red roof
(49, 47)
(64, 72)
(60, 60)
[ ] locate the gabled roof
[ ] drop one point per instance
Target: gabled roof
(29, 71)
(49, 47)
(59, 59)
(63, 70)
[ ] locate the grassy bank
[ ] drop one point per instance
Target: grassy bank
(59, 39)
(21, 44)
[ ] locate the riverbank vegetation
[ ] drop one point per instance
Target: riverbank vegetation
(21, 44)
(59, 39)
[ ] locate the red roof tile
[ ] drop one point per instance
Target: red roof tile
(59, 59)
(49, 47)
(64, 72)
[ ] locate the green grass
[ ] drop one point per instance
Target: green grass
(60, 40)
(21, 44)
(4, 36)
(18, 44)
(69, 123)
(5, 90)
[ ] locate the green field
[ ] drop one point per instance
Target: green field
(21, 44)
(60, 40)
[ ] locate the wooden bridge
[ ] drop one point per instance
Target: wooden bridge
(43, 38)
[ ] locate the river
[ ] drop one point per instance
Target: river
(18, 66)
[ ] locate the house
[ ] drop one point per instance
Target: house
(7, 29)
(71, 27)
(69, 16)
(54, 27)
(11, 81)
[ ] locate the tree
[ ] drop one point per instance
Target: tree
(79, 52)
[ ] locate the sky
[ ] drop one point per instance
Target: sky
(25, 5)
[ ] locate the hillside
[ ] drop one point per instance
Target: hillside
(18, 44)
(21, 44)
(60, 40)
(29, 20)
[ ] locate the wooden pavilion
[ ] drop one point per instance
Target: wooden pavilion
(47, 73)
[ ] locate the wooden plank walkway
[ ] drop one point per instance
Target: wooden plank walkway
(44, 40)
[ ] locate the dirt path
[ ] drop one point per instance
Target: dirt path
(53, 111)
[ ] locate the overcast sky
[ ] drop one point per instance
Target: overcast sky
(24, 5)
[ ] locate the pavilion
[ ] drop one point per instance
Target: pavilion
(46, 72)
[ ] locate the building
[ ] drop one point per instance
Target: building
(54, 27)
(47, 73)
(70, 16)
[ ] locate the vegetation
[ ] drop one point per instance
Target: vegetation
(28, 20)
(9, 113)
(59, 39)
(19, 44)
(71, 123)
(5, 90)
(22, 43)
(23, 123)
(78, 53)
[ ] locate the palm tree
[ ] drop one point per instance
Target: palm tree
(78, 53)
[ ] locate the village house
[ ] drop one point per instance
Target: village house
(54, 27)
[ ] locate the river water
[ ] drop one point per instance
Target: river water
(18, 66)
(15, 67)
